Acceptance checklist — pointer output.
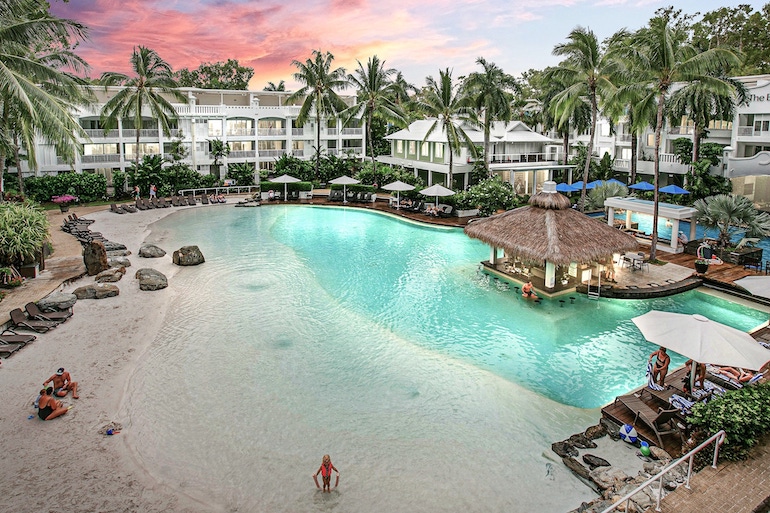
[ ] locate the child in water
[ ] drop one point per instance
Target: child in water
(326, 473)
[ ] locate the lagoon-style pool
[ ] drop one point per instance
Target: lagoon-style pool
(332, 330)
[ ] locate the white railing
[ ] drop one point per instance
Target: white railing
(61, 161)
(100, 133)
(746, 131)
(332, 131)
(624, 137)
(681, 130)
(509, 158)
(352, 131)
(145, 132)
(271, 153)
(690, 456)
(233, 189)
(107, 157)
(297, 131)
(621, 164)
(242, 154)
(271, 131)
(240, 131)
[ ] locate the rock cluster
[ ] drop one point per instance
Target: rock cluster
(111, 275)
(188, 255)
(612, 483)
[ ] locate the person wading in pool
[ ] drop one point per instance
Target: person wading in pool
(660, 367)
(527, 291)
(326, 473)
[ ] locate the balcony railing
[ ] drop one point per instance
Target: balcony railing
(512, 158)
(681, 130)
(297, 131)
(106, 157)
(352, 131)
(234, 132)
(100, 133)
(624, 137)
(242, 154)
(332, 131)
(145, 132)
(750, 131)
(271, 153)
(267, 132)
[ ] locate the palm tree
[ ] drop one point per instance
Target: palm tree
(578, 116)
(146, 90)
(587, 73)
(445, 102)
(703, 105)
(655, 58)
(492, 97)
(731, 214)
(319, 94)
(375, 99)
(36, 96)
(271, 86)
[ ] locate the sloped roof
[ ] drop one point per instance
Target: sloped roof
(514, 131)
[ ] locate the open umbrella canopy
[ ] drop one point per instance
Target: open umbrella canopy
(437, 190)
(615, 180)
(565, 187)
(344, 180)
(642, 186)
(398, 186)
(594, 184)
(284, 179)
(674, 189)
(757, 285)
(702, 339)
(578, 186)
(549, 229)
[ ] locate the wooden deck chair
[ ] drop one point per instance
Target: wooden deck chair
(9, 349)
(35, 313)
(11, 337)
(19, 320)
(662, 422)
(116, 209)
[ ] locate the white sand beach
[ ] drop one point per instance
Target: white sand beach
(68, 464)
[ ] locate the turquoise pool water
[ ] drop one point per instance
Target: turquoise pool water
(328, 330)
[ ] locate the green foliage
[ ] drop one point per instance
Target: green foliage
(579, 160)
(216, 75)
(701, 183)
(604, 168)
(599, 194)
(744, 415)
(291, 165)
(731, 215)
(149, 172)
(489, 196)
(712, 152)
(119, 183)
(86, 186)
(242, 173)
(178, 177)
(682, 148)
(23, 230)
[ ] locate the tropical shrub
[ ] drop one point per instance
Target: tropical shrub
(744, 415)
(731, 215)
(701, 183)
(600, 193)
(23, 230)
(86, 186)
(149, 172)
(242, 173)
(291, 165)
(119, 184)
(489, 196)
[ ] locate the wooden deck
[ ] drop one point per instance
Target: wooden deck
(725, 273)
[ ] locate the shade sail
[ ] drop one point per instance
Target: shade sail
(642, 186)
(702, 339)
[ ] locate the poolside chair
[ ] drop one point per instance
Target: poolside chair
(163, 203)
(35, 313)
(8, 336)
(116, 209)
(128, 208)
(204, 199)
(9, 349)
(148, 203)
(140, 204)
(191, 200)
(662, 422)
(174, 201)
(20, 321)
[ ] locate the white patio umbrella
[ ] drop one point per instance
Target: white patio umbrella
(284, 179)
(757, 285)
(437, 190)
(344, 180)
(702, 339)
(398, 186)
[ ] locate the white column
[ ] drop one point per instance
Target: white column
(611, 216)
(693, 226)
(534, 183)
(628, 219)
(493, 255)
(674, 233)
(550, 275)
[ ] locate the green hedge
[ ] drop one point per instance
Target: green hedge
(356, 187)
(744, 415)
(86, 186)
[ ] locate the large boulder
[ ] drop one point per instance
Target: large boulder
(96, 291)
(57, 301)
(659, 454)
(95, 258)
(188, 255)
(594, 432)
(151, 279)
(581, 442)
(576, 467)
(151, 251)
(119, 262)
(608, 477)
(565, 449)
(111, 275)
(595, 461)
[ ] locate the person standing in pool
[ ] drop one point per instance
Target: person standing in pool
(326, 473)
(527, 291)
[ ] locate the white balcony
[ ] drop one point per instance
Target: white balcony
(100, 133)
(271, 153)
(332, 131)
(240, 132)
(145, 132)
(513, 158)
(681, 130)
(242, 154)
(298, 131)
(271, 132)
(352, 131)
(107, 157)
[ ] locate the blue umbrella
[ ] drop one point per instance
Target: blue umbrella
(564, 187)
(578, 186)
(614, 180)
(595, 183)
(643, 186)
(673, 189)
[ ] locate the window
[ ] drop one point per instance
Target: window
(215, 128)
(241, 145)
(100, 149)
(438, 151)
(412, 147)
(650, 139)
(424, 147)
(144, 149)
(299, 145)
(399, 146)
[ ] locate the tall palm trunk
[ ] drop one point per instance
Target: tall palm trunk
(451, 165)
(487, 156)
(634, 150)
(656, 167)
(17, 160)
(589, 152)
(317, 145)
(565, 146)
(369, 118)
(696, 143)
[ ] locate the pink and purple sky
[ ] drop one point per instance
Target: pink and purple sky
(417, 38)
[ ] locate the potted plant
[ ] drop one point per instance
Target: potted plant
(64, 201)
(701, 265)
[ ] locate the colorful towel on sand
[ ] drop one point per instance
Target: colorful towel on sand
(650, 383)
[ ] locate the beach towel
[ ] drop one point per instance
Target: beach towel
(650, 383)
(680, 403)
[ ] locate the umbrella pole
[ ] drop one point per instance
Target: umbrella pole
(285, 192)
(398, 200)
(344, 193)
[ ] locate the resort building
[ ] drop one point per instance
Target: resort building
(258, 126)
(519, 155)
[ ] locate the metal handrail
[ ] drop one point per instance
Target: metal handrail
(717, 438)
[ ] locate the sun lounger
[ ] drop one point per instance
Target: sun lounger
(9, 349)
(128, 208)
(204, 199)
(11, 337)
(35, 313)
(163, 203)
(20, 321)
(191, 200)
(116, 209)
(662, 422)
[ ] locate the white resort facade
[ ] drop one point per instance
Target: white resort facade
(258, 126)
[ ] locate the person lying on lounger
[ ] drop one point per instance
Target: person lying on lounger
(739, 375)
(62, 383)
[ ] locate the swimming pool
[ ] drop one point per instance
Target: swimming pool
(341, 331)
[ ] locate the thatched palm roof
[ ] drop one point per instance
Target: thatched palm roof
(548, 229)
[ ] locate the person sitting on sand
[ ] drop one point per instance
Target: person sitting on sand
(326, 472)
(62, 383)
(660, 367)
(50, 408)
(527, 291)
